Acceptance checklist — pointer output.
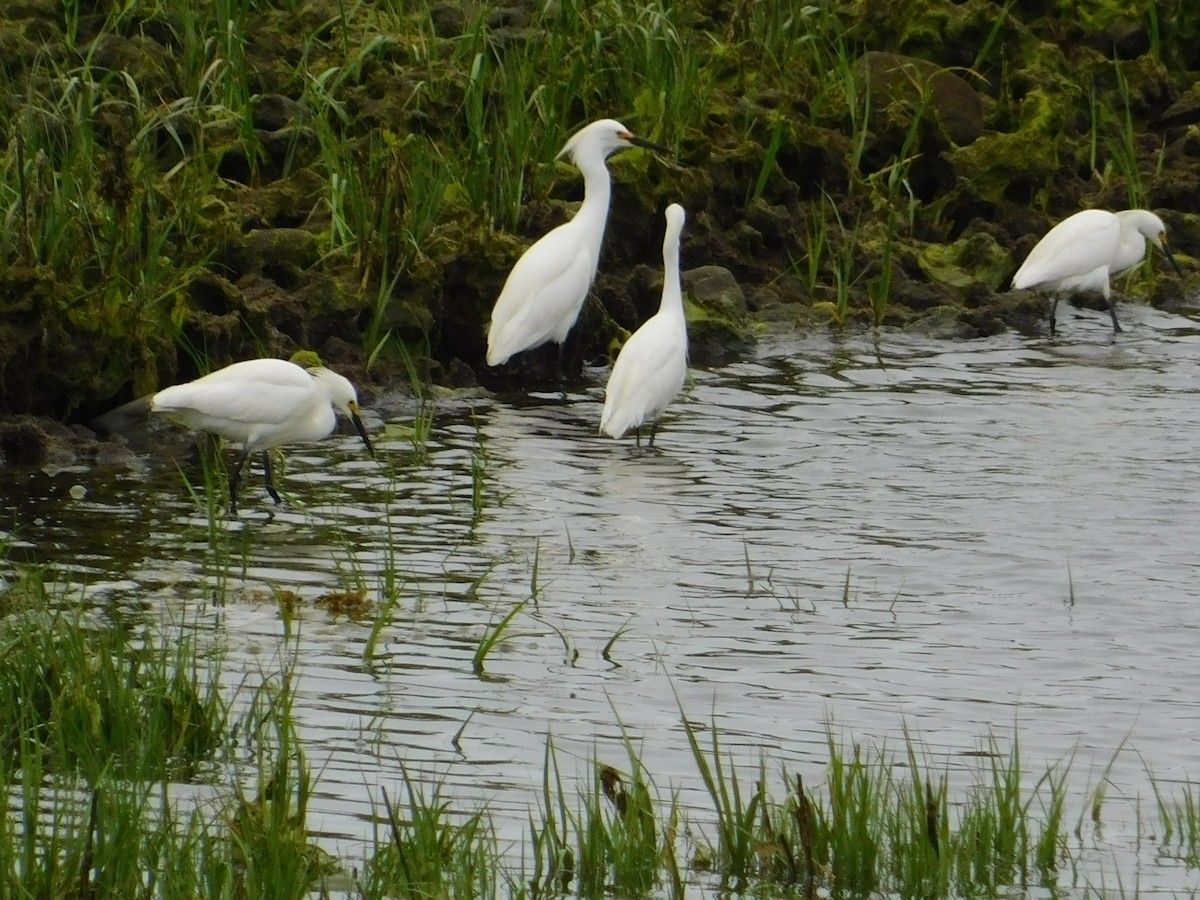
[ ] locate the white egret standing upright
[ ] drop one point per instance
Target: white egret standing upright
(1081, 252)
(652, 366)
(546, 288)
(260, 404)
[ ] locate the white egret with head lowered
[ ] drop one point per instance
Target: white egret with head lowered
(546, 288)
(261, 404)
(1083, 251)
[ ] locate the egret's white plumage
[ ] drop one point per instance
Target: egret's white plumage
(1083, 251)
(260, 404)
(546, 288)
(652, 366)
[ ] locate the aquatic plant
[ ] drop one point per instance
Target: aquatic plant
(492, 637)
(1179, 819)
(870, 832)
(479, 475)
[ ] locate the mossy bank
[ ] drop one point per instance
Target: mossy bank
(184, 184)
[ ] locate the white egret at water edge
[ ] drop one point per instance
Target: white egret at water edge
(260, 404)
(652, 366)
(546, 288)
(1083, 251)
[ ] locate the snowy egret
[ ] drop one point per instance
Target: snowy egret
(652, 366)
(1082, 251)
(546, 288)
(260, 404)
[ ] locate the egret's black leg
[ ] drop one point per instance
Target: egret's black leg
(269, 476)
(235, 477)
(637, 435)
(1112, 311)
(653, 429)
(1053, 306)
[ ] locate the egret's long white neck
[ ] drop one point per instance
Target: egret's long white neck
(672, 295)
(597, 194)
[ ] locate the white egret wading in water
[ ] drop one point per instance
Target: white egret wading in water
(652, 366)
(546, 288)
(260, 404)
(1081, 252)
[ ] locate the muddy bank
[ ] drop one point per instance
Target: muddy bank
(899, 182)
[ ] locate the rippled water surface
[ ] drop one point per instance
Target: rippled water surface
(865, 536)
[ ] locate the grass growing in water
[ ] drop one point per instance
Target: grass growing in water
(872, 833)
(82, 698)
(97, 723)
(493, 637)
(427, 851)
(100, 724)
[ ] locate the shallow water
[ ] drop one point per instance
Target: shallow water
(860, 536)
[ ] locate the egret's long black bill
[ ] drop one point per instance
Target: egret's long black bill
(1166, 249)
(362, 432)
(649, 145)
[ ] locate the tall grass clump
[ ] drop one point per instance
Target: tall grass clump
(737, 808)
(270, 854)
(620, 847)
(591, 60)
(610, 842)
(425, 849)
(551, 864)
(1114, 154)
(869, 832)
(106, 192)
(90, 700)
(98, 727)
(1179, 819)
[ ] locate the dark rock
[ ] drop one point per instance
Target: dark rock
(1128, 38)
(715, 288)
(291, 147)
(509, 17)
(774, 222)
(271, 112)
(43, 31)
(1184, 111)
(918, 295)
(280, 253)
(956, 105)
(145, 61)
(32, 9)
(23, 441)
(449, 19)
(719, 326)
